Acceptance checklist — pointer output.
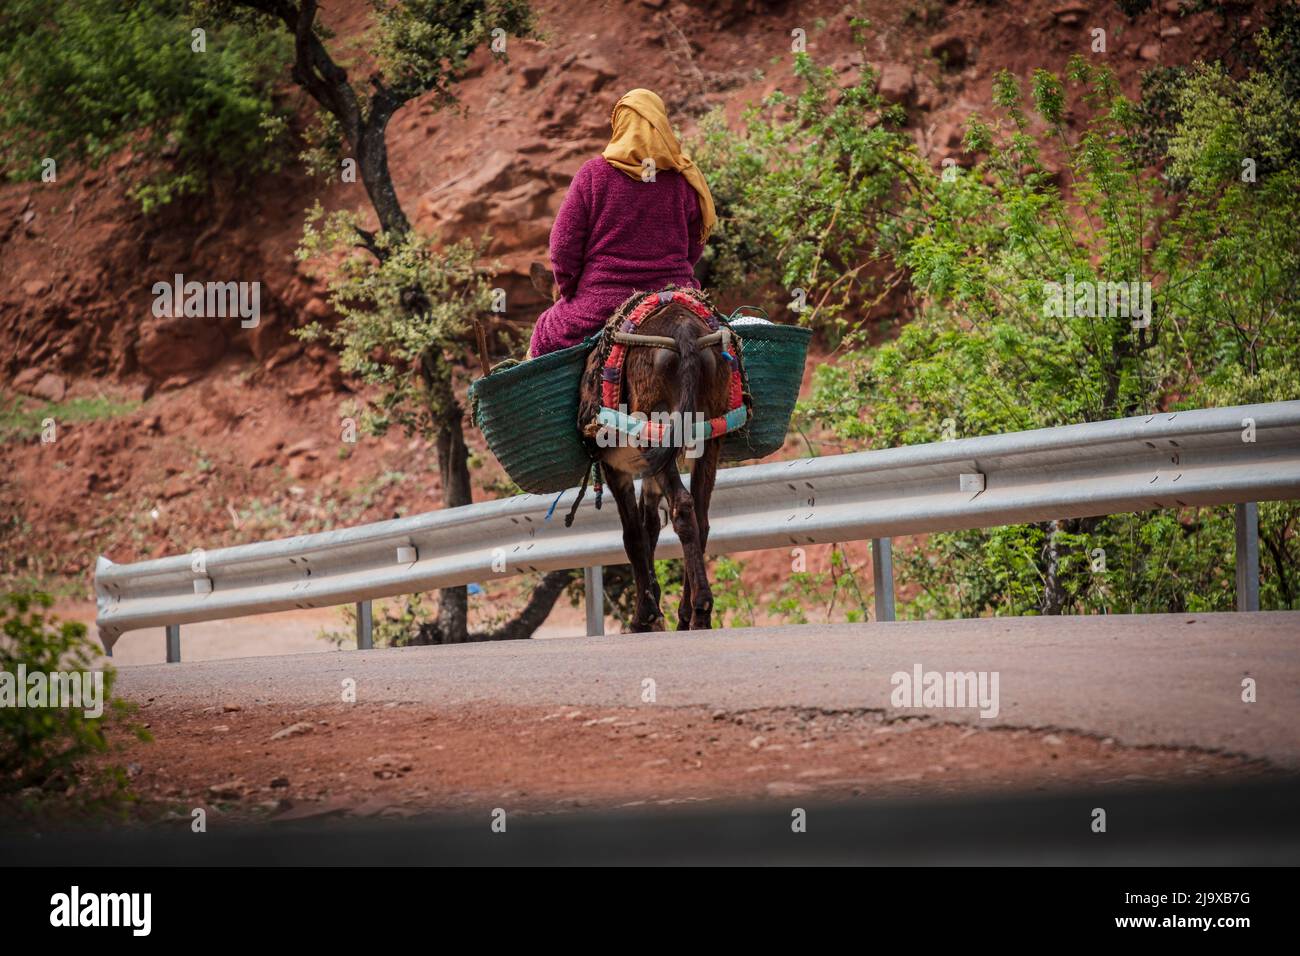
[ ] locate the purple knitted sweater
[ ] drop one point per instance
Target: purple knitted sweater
(615, 235)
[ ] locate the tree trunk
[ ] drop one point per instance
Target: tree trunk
(1053, 587)
(1056, 593)
(1276, 545)
(535, 611)
(453, 469)
(372, 161)
(365, 129)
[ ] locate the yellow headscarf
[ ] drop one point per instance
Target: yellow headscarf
(641, 131)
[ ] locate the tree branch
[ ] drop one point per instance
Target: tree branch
(368, 243)
(535, 611)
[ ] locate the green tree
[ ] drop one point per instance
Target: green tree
(986, 255)
(808, 195)
(987, 354)
(81, 79)
(41, 746)
(406, 306)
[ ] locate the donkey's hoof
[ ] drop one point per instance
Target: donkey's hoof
(654, 624)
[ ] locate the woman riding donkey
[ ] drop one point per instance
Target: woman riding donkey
(623, 250)
(636, 217)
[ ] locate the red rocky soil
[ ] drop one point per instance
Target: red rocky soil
(270, 763)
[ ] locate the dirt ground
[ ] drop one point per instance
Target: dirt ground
(278, 764)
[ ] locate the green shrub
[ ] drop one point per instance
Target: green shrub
(84, 78)
(984, 354)
(40, 745)
(979, 251)
(807, 195)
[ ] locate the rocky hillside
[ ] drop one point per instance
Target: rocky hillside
(178, 433)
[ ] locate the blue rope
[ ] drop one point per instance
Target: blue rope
(553, 504)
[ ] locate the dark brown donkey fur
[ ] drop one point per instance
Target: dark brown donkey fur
(690, 380)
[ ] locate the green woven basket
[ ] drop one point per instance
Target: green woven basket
(774, 357)
(529, 415)
(529, 412)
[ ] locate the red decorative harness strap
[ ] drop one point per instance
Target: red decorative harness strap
(611, 386)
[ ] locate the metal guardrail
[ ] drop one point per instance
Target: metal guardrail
(1239, 455)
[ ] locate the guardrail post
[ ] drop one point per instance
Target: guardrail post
(882, 572)
(365, 626)
(593, 585)
(1248, 557)
(173, 643)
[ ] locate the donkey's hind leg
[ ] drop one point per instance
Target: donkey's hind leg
(651, 497)
(697, 597)
(646, 616)
(704, 472)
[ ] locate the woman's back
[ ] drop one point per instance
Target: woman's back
(615, 235)
(644, 234)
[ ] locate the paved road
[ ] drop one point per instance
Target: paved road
(290, 632)
(1142, 679)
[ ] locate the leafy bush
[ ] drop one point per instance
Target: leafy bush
(804, 593)
(402, 311)
(986, 356)
(84, 78)
(988, 351)
(39, 746)
(393, 624)
(807, 194)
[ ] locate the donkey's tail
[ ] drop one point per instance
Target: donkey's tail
(689, 370)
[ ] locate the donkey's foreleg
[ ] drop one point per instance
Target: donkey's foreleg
(684, 608)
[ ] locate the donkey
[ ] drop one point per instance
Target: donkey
(689, 378)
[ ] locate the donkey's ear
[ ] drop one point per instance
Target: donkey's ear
(542, 280)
